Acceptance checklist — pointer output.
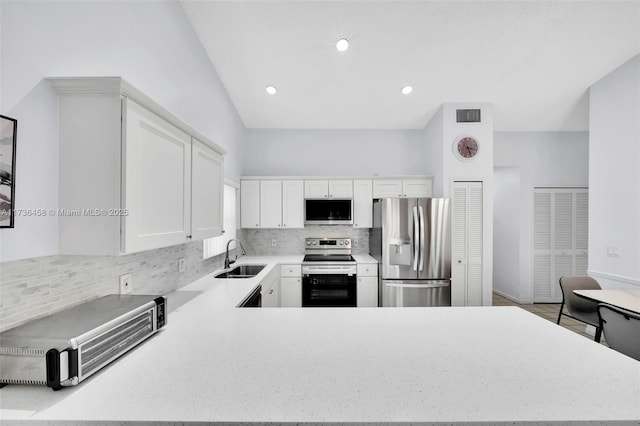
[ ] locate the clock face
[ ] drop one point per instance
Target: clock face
(466, 147)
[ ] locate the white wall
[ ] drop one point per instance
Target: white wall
(149, 43)
(614, 176)
(540, 159)
(335, 152)
(506, 230)
(433, 135)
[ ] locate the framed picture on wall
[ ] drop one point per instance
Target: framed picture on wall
(8, 136)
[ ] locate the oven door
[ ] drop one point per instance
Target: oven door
(329, 290)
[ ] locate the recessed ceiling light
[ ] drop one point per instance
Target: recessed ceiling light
(342, 45)
(271, 90)
(406, 90)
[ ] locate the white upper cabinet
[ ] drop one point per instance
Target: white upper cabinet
(417, 188)
(362, 203)
(207, 186)
(156, 181)
(403, 188)
(316, 189)
(271, 204)
(250, 204)
(339, 188)
(132, 176)
(292, 204)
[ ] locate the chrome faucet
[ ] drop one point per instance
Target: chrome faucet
(228, 263)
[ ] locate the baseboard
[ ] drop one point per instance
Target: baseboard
(613, 277)
(510, 297)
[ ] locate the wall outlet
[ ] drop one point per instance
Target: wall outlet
(181, 264)
(355, 242)
(274, 242)
(613, 251)
(125, 284)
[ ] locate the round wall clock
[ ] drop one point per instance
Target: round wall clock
(465, 147)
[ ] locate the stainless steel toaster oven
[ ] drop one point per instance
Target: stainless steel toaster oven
(65, 348)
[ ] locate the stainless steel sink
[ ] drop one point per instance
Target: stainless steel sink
(241, 271)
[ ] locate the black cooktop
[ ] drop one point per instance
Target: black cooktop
(328, 258)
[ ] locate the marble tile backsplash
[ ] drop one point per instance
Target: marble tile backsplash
(32, 288)
(291, 241)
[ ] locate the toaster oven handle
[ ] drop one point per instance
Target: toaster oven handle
(62, 366)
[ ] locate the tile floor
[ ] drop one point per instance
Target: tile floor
(548, 311)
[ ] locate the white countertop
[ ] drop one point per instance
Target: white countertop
(217, 363)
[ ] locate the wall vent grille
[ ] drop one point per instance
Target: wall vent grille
(467, 116)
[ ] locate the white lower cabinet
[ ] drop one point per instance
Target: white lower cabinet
(291, 286)
(270, 292)
(367, 285)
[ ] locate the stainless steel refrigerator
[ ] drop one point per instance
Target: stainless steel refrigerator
(411, 238)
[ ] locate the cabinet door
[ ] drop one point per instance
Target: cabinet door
(341, 188)
(250, 204)
(416, 188)
(292, 204)
(367, 292)
(387, 188)
(316, 189)
(291, 292)
(560, 236)
(466, 244)
(270, 292)
(270, 204)
(362, 203)
(156, 181)
(207, 180)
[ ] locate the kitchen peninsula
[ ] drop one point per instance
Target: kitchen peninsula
(215, 363)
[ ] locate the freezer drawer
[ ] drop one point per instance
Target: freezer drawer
(415, 293)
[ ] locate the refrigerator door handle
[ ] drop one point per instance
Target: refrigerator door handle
(421, 233)
(416, 247)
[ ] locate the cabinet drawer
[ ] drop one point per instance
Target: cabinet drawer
(290, 270)
(367, 270)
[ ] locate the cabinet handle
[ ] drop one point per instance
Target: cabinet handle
(188, 237)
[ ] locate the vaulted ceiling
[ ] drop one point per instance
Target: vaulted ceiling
(533, 60)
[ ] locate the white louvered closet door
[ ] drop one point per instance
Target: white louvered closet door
(466, 242)
(559, 239)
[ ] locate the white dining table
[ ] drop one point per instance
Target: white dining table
(628, 299)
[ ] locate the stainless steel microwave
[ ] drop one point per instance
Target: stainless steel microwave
(328, 212)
